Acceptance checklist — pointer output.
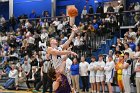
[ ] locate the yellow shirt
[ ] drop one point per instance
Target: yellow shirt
(119, 71)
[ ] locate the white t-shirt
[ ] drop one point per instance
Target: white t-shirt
(67, 69)
(31, 40)
(26, 68)
(132, 34)
(91, 67)
(137, 65)
(2, 20)
(68, 64)
(59, 27)
(127, 71)
(83, 68)
(76, 42)
(4, 38)
(109, 69)
(56, 23)
(129, 50)
(13, 74)
(107, 57)
(100, 64)
(137, 8)
(84, 12)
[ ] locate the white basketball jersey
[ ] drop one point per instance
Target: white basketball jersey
(57, 59)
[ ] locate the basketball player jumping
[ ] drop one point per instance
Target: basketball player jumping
(59, 53)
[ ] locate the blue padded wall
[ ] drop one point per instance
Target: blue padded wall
(4, 9)
(61, 6)
(26, 6)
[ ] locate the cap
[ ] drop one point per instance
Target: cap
(122, 55)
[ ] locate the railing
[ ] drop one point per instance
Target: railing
(48, 18)
(95, 39)
(7, 25)
(125, 18)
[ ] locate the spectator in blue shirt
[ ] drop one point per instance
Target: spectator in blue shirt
(33, 14)
(132, 45)
(75, 74)
(95, 24)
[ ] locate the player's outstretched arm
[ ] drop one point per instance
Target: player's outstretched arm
(67, 43)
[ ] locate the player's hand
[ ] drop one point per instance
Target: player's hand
(74, 29)
(58, 79)
(69, 48)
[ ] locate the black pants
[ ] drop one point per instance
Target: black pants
(38, 85)
(36, 82)
(85, 83)
(47, 83)
(27, 82)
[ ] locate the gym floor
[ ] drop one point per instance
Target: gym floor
(13, 91)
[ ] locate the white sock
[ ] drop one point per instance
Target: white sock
(94, 91)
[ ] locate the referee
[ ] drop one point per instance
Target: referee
(47, 82)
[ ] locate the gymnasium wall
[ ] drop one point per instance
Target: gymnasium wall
(4, 9)
(26, 6)
(62, 4)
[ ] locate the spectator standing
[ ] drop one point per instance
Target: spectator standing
(12, 22)
(67, 69)
(46, 14)
(100, 8)
(110, 54)
(84, 13)
(119, 72)
(137, 42)
(137, 70)
(100, 74)
(109, 72)
(75, 74)
(2, 23)
(33, 14)
(110, 8)
(137, 8)
(126, 72)
(2, 20)
(92, 69)
(47, 81)
(84, 73)
(131, 7)
(91, 11)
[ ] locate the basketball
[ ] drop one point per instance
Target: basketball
(72, 12)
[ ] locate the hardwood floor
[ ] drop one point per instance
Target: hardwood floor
(13, 91)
